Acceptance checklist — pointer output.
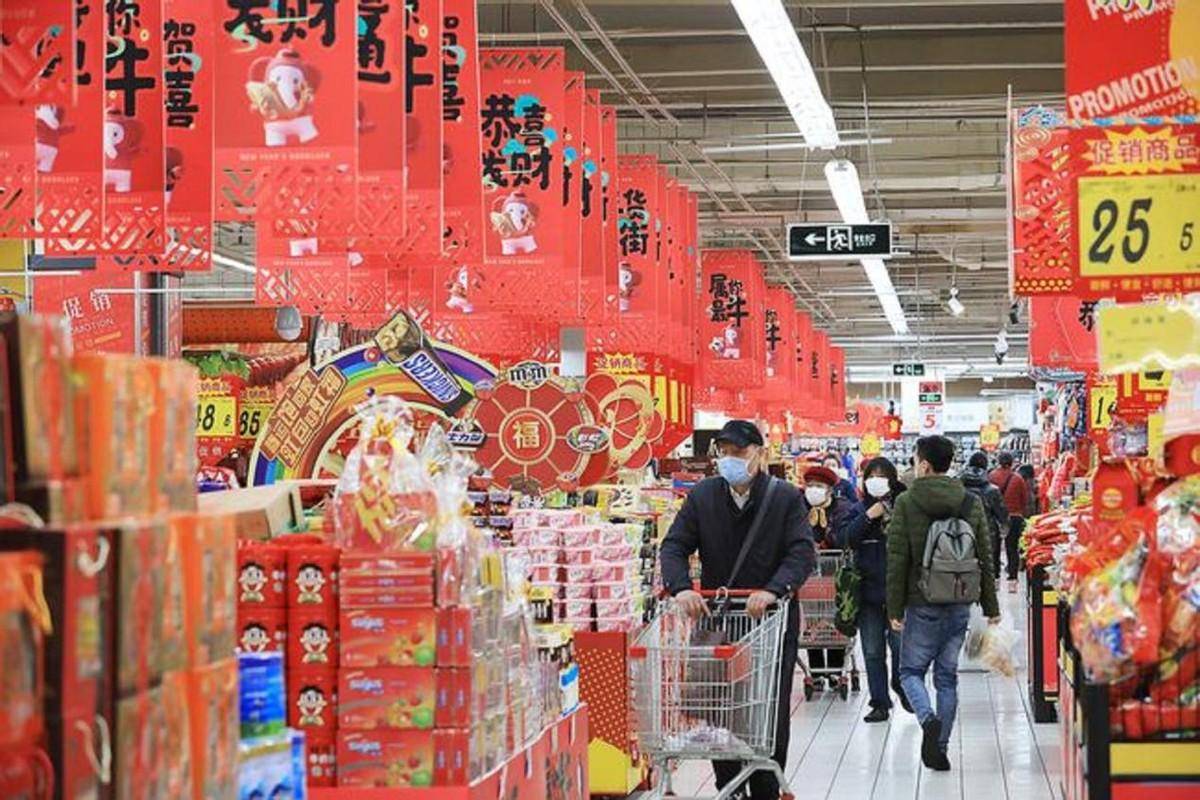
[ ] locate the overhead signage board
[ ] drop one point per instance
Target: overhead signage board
(908, 370)
(930, 407)
(817, 242)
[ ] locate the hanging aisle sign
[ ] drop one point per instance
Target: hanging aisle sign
(285, 136)
(572, 179)
(134, 158)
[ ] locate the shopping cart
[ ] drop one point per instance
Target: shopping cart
(709, 688)
(818, 613)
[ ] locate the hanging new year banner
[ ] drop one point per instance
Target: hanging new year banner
(463, 216)
(823, 385)
(36, 63)
(1131, 59)
(423, 142)
(134, 161)
(732, 320)
(70, 166)
(1041, 227)
(608, 208)
(572, 180)
(1062, 333)
(380, 118)
(286, 134)
(638, 221)
(591, 278)
(291, 275)
(778, 345)
(523, 106)
(17, 172)
(838, 378)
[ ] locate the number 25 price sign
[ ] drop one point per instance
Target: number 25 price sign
(1137, 210)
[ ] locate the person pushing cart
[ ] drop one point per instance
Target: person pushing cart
(753, 537)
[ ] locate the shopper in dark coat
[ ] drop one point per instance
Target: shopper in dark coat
(715, 520)
(1016, 496)
(867, 535)
(975, 480)
(832, 516)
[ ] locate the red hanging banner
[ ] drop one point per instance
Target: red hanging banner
(638, 223)
(731, 325)
(290, 274)
(286, 135)
(36, 63)
(608, 207)
(572, 183)
(837, 359)
(523, 106)
(591, 279)
(1042, 242)
(423, 108)
(134, 159)
(1131, 59)
(70, 166)
(381, 124)
(1062, 333)
(17, 168)
(463, 196)
(100, 321)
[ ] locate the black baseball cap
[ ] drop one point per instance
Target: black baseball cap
(740, 433)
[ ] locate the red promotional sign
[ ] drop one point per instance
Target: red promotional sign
(463, 196)
(1042, 247)
(608, 207)
(591, 285)
(380, 118)
(1131, 59)
(837, 364)
(70, 182)
(134, 172)
(423, 142)
(1062, 333)
(100, 321)
(35, 62)
(17, 172)
(731, 325)
(523, 105)
(638, 221)
(286, 134)
(572, 181)
(805, 382)
(293, 272)
(778, 344)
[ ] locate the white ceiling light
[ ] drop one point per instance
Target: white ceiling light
(847, 194)
(774, 36)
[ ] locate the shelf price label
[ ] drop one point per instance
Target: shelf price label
(1102, 400)
(1135, 226)
(216, 416)
(252, 418)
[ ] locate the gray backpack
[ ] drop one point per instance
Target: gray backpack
(950, 571)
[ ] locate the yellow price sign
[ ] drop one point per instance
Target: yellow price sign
(1102, 399)
(1155, 435)
(1148, 336)
(252, 418)
(870, 445)
(1139, 225)
(215, 416)
(989, 436)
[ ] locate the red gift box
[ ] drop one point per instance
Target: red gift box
(388, 637)
(454, 637)
(312, 575)
(385, 759)
(261, 629)
(387, 697)
(373, 580)
(453, 698)
(451, 757)
(313, 700)
(321, 759)
(262, 574)
(312, 637)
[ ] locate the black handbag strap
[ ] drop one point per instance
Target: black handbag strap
(759, 515)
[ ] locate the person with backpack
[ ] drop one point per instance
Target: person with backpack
(1016, 496)
(867, 536)
(939, 564)
(975, 479)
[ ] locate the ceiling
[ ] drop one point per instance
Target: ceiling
(919, 89)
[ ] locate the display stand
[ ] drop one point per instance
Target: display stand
(1100, 766)
(1042, 645)
(558, 757)
(617, 768)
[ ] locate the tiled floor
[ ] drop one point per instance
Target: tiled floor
(997, 753)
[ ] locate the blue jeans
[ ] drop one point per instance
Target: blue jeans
(933, 635)
(877, 639)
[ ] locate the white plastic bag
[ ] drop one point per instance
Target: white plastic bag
(992, 646)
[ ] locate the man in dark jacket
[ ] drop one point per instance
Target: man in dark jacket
(715, 519)
(975, 479)
(1016, 496)
(933, 634)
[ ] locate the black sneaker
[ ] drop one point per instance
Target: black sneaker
(931, 750)
(877, 715)
(907, 706)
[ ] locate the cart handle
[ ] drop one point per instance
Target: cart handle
(722, 652)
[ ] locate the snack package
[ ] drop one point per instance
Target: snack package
(313, 700)
(267, 769)
(384, 500)
(263, 701)
(312, 575)
(400, 698)
(262, 629)
(177, 748)
(213, 714)
(992, 646)
(24, 620)
(389, 637)
(312, 637)
(385, 759)
(262, 574)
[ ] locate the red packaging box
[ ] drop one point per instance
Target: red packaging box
(262, 574)
(313, 700)
(70, 741)
(139, 612)
(312, 637)
(454, 698)
(405, 578)
(402, 698)
(387, 598)
(454, 637)
(312, 576)
(209, 547)
(22, 772)
(321, 757)
(385, 759)
(262, 629)
(388, 637)
(213, 701)
(450, 757)
(140, 731)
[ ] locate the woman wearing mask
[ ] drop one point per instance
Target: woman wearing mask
(867, 535)
(844, 486)
(831, 516)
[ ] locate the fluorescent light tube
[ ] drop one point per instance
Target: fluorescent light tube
(774, 36)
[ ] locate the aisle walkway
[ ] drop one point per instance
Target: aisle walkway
(997, 752)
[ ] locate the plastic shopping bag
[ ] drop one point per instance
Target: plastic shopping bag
(992, 646)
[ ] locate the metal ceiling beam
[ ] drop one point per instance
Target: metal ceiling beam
(828, 29)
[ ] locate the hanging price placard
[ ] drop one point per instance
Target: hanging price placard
(1139, 226)
(216, 416)
(1102, 400)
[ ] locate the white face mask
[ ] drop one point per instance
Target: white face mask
(816, 495)
(878, 486)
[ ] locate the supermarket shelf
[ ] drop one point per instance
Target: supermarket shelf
(350, 793)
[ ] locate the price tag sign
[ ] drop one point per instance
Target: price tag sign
(1134, 226)
(1150, 336)
(252, 418)
(1102, 400)
(216, 416)
(989, 437)
(870, 445)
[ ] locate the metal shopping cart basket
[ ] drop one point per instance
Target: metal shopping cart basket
(818, 614)
(709, 688)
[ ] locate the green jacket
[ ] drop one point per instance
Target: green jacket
(927, 500)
